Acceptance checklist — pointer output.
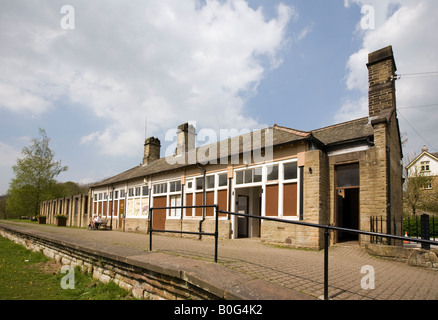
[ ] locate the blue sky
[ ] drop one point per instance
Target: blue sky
(224, 64)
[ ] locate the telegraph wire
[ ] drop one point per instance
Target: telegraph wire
(416, 107)
(431, 74)
(413, 128)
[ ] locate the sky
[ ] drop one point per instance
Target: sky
(101, 76)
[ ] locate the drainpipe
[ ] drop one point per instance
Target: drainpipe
(230, 184)
(203, 200)
(112, 208)
(182, 210)
(388, 192)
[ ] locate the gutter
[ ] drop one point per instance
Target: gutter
(201, 167)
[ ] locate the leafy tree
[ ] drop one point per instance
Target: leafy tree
(414, 194)
(34, 178)
(3, 211)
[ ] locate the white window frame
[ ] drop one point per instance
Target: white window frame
(173, 213)
(280, 182)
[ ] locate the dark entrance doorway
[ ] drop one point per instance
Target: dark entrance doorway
(242, 222)
(347, 200)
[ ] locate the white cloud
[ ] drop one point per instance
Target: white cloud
(21, 100)
(8, 154)
(171, 61)
(407, 26)
(352, 109)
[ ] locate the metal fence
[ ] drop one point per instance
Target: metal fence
(326, 228)
(424, 227)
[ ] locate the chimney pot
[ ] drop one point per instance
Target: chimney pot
(152, 149)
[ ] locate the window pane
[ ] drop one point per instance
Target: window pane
(175, 201)
(160, 188)
(272, 173)
(239, 177)
(175, 186)
(210, 182)
(248, 176)
(258, 175)
(347, 176)
(137, 191)
(145, 191)
(222, 180)
(199, 183)
(290, 171)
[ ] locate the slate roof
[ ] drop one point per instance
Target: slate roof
(344, 132)
(339, 133)
(167, 164)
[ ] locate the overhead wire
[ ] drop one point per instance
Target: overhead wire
(416, 107)
(430, 74)
(410, 76)
(415, 130)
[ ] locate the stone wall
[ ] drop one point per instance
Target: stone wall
(76, 208)
(412, 256)
(143, 283)
(316, 207)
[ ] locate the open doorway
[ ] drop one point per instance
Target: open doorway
(348, 213)
(248, 202)
(347, 201)
(242, 222)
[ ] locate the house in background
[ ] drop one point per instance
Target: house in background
(423, 190)
(339, 175)
(426, 164)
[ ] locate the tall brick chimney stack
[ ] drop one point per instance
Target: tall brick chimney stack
(152, 148)
(382, 75)
(185, 138)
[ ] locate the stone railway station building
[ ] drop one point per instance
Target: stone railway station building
(339, 175)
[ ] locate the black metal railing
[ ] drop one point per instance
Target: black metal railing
(424, 227)
(326, 228)
(215, 234)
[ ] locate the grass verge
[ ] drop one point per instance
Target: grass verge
(27, 275)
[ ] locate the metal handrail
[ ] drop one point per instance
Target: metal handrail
(326, 229)
(215, 234)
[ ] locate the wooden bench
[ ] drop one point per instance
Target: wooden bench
(103, 225)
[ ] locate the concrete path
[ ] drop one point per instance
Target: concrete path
(301, 271)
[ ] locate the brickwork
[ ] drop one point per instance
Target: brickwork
(381, 69)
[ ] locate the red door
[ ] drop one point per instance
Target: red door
(159, 216)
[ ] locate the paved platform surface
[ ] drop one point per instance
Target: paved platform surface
(300, 271)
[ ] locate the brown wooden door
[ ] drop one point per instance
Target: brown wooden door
(121, 212)
(272, 200)
(290, 200)
(159, 216)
